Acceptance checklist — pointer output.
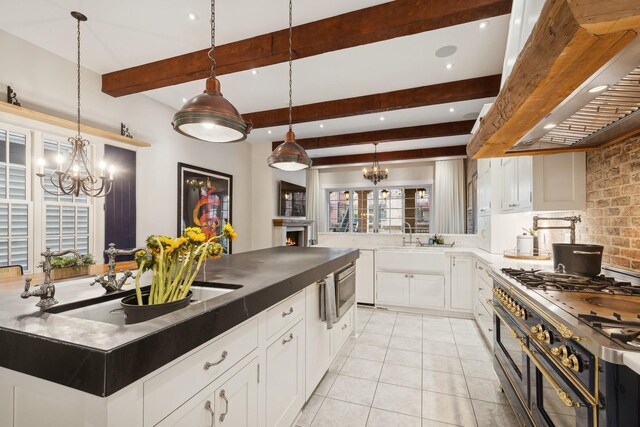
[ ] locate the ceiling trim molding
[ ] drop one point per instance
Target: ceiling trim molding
(373, 24)
(423, 153)
(461, 90)
(386, 135)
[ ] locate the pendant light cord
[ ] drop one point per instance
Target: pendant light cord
(290, 63)
(212, 51)
(78, 38)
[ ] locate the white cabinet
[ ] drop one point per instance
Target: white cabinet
(365, 277)
(482, 311)
(484, 187)
(392, 288)
(411, 290)
(426, 291)
(236, 401)
(230, 401)
(543, 183)
(285, 365)
(462, 282)
(318, 340)
(524, 14)
(341, 331)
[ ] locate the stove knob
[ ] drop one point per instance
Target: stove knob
(561, 351)
(536, 329)
(522, 313)
(514, 307)
(573, 362)
(545, 336)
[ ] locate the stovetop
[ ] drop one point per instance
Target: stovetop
(551, 281)
(610, 305)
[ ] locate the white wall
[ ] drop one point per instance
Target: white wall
(265, 189)
(46, 82)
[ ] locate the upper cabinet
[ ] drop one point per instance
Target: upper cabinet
(524, 14)
(484, 187)
(543, 183)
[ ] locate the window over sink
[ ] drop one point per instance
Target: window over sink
(379, 210)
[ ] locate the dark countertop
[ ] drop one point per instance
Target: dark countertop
(101, 358)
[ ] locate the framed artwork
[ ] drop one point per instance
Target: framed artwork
(204, 200)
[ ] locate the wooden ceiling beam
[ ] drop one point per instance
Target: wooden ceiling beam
(421, 154)
(373, 24)
(606, 17)
(462, 90)
(437, 130)
(557, 58)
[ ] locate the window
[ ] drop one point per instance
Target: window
(66, 216)
(30, 218)
(379, 210)
(14, 199)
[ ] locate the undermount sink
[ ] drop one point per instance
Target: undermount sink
(106, 308)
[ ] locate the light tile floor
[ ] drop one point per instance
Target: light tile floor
(410, 370)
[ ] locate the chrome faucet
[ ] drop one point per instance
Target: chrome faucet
(47, 290)
(410, 235)
(109, 281)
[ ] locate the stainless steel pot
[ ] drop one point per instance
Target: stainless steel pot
(577, 258)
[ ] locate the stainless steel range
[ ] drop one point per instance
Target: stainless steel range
(559, 341)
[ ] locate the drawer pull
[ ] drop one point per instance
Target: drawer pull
(344, 326)
(223, 356)
(286, 313)
(286, 340)
(226, 405)
(207, 406)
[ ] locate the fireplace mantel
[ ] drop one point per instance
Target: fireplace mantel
(283, 225)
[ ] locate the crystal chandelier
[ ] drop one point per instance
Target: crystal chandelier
(375, 174)
(78, 175)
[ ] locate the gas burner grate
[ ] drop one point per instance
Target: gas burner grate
(551, 281)
(616, 327)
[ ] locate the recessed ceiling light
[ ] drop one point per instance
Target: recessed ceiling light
(269, 132)
(517, 21)
(446, 51)
(192, 16)
(382, 119)
(449, 66)
(451, 110)
(184, 100)
(321, 125)
(598, 89)
(484, 24)
(550, 126)
(254, 71)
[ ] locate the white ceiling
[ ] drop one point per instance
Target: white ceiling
(121, 33)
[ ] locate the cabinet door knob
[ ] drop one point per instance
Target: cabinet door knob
(344, 326)
(286, 340)
(406, 275)
(286, 313)
(226, 405)
(207, 406)
(412, 276)
(223, 356)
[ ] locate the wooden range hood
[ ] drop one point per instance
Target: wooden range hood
(571, 41)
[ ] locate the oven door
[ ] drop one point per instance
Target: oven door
(345, 289)
(554, 402)
(509, 352)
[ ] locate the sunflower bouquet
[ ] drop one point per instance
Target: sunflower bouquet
(175, 262)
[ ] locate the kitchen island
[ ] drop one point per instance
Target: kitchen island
(108, 369)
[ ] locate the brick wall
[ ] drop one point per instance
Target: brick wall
(613, 203)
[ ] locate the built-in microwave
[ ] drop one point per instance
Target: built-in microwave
(345, 280)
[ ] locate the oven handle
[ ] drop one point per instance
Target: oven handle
(563, 395)
(495, 310)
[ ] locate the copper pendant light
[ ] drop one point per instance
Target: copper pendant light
(209, 116)
(289, 156)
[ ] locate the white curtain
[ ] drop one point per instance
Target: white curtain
(313, 201)
(449, 198)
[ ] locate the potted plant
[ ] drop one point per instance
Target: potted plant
(65, 267)
(175, 264)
